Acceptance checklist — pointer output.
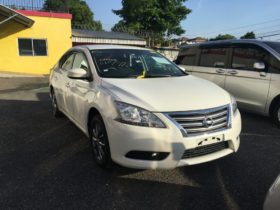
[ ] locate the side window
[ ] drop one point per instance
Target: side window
(25, 47)
(274, 65)
(40, 47)
(187, 57)
(213, 57)
(244, 58)
(80, 61)
(67, 65)
(32, 47)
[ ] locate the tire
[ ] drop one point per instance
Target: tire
(55, 110)
(276, 114)
(99, 142)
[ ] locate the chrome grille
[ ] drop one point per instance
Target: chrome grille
(202, 121)
(205, 150)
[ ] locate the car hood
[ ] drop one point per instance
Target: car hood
(168, 94)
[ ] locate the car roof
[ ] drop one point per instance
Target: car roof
(102, 47)
(227, 42)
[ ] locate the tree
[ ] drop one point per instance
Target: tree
(158, 17)
(223, 37)
(249, 35)
(82, 15)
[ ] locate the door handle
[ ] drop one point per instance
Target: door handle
(220, 71)
(233, 72)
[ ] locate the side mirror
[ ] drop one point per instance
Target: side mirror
(77, 73)
(259, 66)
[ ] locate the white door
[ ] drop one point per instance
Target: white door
(248, 83)
(78, 88)
(61, 77)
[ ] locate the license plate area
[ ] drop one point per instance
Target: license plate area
(210, 140)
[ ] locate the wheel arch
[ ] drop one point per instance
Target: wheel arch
(273, 103)
(91, 113)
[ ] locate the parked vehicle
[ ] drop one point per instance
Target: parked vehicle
(142, 111)
(248, 69)
(272, 201)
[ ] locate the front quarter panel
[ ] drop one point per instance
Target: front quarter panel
(102, 100)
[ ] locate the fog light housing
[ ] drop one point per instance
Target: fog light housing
(147, 155)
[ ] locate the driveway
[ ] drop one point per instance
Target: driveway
(47, 163)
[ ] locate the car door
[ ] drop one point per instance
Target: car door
(62, 81)
(78, 89)
(248, 83)
(212, 64)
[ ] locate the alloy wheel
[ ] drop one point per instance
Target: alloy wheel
(97, 140)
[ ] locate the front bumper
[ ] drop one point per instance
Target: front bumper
(124, 138)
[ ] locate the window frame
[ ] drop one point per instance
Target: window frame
(216, 46)
(89, 71)
(65, 58)
(79, 52)
(98, 71)
(184, 54)
(248, 46)
(273, 71)
(32, 44)
(74, 53)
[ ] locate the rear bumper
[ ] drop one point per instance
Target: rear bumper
(125, 138)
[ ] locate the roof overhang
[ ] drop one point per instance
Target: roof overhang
(87, 40)
(10, 14)
(80, 36)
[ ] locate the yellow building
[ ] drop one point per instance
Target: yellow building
(32, 41)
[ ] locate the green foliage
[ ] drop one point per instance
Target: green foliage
(249, 35)
(82, 15)
(162, 17)
(223, 37)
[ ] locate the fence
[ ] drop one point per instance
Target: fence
(34, 5)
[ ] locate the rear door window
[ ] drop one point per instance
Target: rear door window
(187, 56)
(213, 57)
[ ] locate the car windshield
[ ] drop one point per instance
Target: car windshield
(131, 63)
(274, 45)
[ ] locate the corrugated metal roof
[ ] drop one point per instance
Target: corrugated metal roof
(103, 35)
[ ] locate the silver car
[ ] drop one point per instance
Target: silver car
(248, 69)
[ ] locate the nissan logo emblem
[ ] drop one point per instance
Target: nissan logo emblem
(207, 122)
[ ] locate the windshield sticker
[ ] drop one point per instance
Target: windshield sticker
(161, 60)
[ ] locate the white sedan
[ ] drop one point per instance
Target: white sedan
(142, 111)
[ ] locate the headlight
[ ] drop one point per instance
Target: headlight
(233, 104)
(136, 116)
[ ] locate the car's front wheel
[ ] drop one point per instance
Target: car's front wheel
(276, 113)
(99, 142)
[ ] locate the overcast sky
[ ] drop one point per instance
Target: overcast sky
(211, 17)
